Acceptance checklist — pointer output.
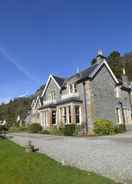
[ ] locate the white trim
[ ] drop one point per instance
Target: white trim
(35, 103)
(50, 77)
(107, 66)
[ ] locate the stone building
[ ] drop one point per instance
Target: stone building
(93, 93)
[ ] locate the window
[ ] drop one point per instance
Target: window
(52, 95)
(64, 115)
(72, 88)
(117, 114)
(117, 91)
(75, 88)
(77, 114)
(69, 112)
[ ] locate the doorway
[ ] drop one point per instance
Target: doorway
(54, 117)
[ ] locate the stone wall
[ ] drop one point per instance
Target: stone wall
(103, 89)
(52, 87)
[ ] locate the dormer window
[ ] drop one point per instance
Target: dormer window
(72, 88)
(52, 96)
(75, 88)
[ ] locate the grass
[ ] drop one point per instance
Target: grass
(19, 167)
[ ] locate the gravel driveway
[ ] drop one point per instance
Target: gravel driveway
(109, 156)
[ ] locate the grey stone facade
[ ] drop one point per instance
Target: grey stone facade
(103, 89)
(94, 93)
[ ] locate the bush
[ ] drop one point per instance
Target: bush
(119, 129)
(17, 129)
(69, 130)
(35, 128)
(103, 127)
(45, 132)
(56, 131)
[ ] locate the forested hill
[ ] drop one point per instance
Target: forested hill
(18, 106)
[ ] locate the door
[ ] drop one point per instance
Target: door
(54, 117)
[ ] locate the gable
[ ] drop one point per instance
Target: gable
(36, 103)
(47, 84)
(103, 78)
(51, 89)
(104, 64)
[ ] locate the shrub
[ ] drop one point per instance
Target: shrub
(45, 132)
(17, 129)
(35, 128)
(119, 129)
(69, 130)
(103, 127)
(56, 131)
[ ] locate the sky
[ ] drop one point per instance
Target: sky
(42, 37)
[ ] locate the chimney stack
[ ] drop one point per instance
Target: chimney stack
(99, 57)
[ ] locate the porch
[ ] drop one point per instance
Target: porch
(61, 114)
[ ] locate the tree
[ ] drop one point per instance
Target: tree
(114, 60)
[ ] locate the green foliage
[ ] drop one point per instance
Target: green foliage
(18, 106)
(56, 131)
(119, 129)
(3, 129)
(35, 128)
(114, 60)
(45, 132)
(69, 130)
(18, 129)
(103, 127)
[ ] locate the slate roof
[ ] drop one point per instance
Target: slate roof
(88, 71)
(59, 80)
(84, 73)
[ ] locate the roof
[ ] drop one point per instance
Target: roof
(83, 73)
(87, 72)
(64, 101)
(59, 80)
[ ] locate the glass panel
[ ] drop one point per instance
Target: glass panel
(53, 117)
(77, 114)
(69, 112)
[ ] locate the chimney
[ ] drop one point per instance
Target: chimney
(99, 57)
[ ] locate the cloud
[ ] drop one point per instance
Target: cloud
(18, 66)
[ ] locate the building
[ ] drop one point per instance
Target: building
(94, 93)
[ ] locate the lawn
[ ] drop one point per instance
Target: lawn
(19, 167)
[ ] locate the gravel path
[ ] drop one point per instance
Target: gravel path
(109, 156)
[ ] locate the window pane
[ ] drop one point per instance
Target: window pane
(69, 109)
(77, 114)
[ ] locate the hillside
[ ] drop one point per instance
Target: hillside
(18, 106)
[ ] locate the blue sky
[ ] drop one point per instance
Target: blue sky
(56, 36)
